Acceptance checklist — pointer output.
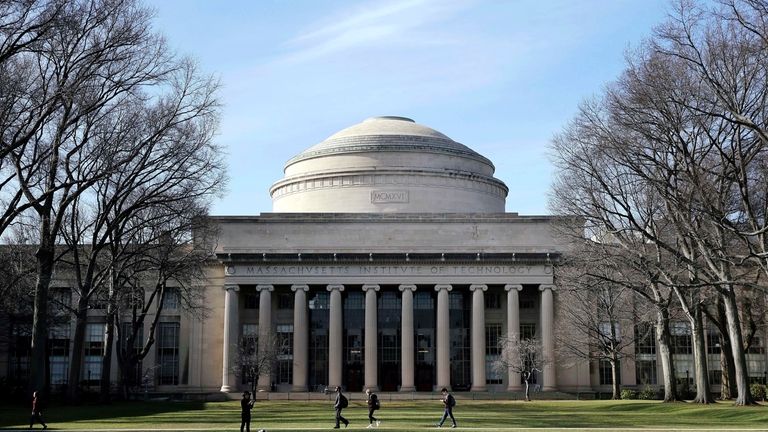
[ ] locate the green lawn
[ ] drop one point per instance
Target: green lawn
(401, 416)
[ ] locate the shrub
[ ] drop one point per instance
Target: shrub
(628, 393)
(758, 391)
(648, 393)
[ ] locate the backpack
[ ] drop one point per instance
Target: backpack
(376, 403)
(343, 402)
(451, 401)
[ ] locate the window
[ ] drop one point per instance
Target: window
(126, 328)
(492, 353)
(681, 338)
(251, 300)
(606, 376)
(645, 336)
(285, 354)
(171, 299)
(249, 345)
(320, 300)
(527, 331)
(134, 298)
(423, 300)
(285, 301)
(526, 303)
(492, 300)
(168, 354)
(713, 341)
(58, 348)
(60, 301)
(94, 350)
(20, 350)
(646, 371)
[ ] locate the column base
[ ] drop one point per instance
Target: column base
(373, 388)
(264, 388)
(299, 389)
(478, 388)
(407, 389)
(228, 389)
(438, 387)
(515, 388)
(549, 388)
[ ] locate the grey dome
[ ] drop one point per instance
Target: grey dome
(389, 164)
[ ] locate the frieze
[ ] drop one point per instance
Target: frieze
(390, 270)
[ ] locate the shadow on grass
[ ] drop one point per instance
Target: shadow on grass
(116, 413)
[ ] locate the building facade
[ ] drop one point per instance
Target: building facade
(389, 262)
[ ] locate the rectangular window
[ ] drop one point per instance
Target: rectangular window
(126, 328)
(251, 300)
(645, 337)
(58, 349)
(285, 354)
(527, 331)
(94, 350)
(285, 301)
(171, 299)
(492, 353)
(20, 352)
(60, 301)
(713, 341)
(249, 345)
(423, 300)
(492, 300)
(320, 300)
(168, 353)
(526, 303)
(681, 337)
(606, 376)
(646, 371)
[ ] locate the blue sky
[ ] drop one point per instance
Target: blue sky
(501, 77)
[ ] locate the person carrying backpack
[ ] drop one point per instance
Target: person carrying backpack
(449, 401)
(341, 403)
(373, 405)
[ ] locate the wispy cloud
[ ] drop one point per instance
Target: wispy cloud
(374, 24)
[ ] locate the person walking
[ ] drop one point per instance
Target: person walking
(37, 411)
(246, 404)
(449, 401)
(373, 405)
(340, 404)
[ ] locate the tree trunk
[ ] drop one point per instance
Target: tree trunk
(615, 376)
(667, 363)
(106, 360)
(78, 343)
(737, 348)
(727, 367)
(703, 395)
(45, 257)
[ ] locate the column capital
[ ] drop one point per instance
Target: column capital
(371, 287)
(295, 288)
(265, 288)
(543, 287)
(335, 287)
(441, 287)
(233, 287)
(511, 287)
(410, 287)
(478, 287)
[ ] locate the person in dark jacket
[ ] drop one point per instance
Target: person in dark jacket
(373, 405)
(340, 404)
(246, 404)
(449, 402)
(37, 411)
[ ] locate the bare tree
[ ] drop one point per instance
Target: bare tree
(255, 358)
(599, 317)
(524, 356)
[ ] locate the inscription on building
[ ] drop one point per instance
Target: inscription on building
(389, 196)
(393, 270)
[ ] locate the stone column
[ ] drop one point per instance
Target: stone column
(300, 338)
(408, 359)
(231, 332)
(443, 337)
(513, 331)
(548, 336)
(266, 335)
(478, 337)
(335, 335)
(371, 337)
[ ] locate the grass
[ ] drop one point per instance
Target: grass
(401, 416)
